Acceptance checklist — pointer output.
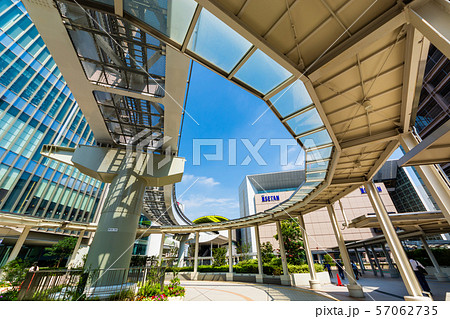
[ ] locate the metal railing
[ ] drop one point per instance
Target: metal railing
(100, 284)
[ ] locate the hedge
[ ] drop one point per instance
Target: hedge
(250, 267)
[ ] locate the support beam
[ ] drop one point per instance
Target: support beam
(314, 283)
(259, 277)
(161, 249)
(416, 52)
(431, 176)
(440, 275)
(372, 139)
(370, 261)
(354, 289)
(285, 279)
(181, 251)
(377, 262)
(394, 272)
(71, 261)
(230, 256)
(432, 20)
(359, 259)
(195, 274)
(19, 243)
(408, 276)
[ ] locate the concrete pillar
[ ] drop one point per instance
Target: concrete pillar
(230, 256)
(116, 232)
(377, 262)
(181, 251)
(19, 243)
(394, 272)
(314, 283)
(440, 275)
(161, 249)
(285, 278)
(354, 289)
(259, 276)
(370, 261)
(197, 235)
(408, 276)
(75, 250)
(432, 178)
(360, 261)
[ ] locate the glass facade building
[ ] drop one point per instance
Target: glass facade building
(37, 108)
(434, 102)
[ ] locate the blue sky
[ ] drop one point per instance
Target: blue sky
(225, 111)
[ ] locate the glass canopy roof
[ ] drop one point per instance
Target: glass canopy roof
(202, 36)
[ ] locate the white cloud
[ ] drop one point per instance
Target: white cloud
(292, 166)
(201, 180)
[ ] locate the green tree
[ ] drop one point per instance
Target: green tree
(267, 252)
(219, 256)
(293, 244)
(62, 249)
(244, 251)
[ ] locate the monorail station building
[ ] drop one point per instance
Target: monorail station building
(92, 102)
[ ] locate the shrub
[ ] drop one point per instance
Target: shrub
(9, 295)
(122, 295)
(220, 256)
(329, 259)
(267, 252)
(179, 269)
(212, 269)
(149, 290)
(442, 256)
(15, 271)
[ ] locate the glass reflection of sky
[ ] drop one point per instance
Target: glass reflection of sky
(216, 42)
(262, 73)
(291, 99)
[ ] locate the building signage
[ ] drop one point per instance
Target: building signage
(272, 198)
(114, 230)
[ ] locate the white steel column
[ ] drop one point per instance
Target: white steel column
(392, 270)
(359, 259)
(408, 276)
(19, 243)
(259, 276)
(313, 283)
(370, 261)
(230, 256)
(354, 289)
(161, 249)
(197, 235)
(430, 175)
(377, 262)
(75, 250)
(285, 278)
(440, 275)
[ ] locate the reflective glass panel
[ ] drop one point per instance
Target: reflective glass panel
(172, 18)
(316, 139)
(291, 99)
(319, 154)
(305, 122)
(317, 166)
(316, 176)
(216, 42)
(262, 73)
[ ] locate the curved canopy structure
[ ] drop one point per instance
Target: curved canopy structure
(343, 77)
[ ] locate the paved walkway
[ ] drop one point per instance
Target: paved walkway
(375, 288)
(383, 289)
(236, 291)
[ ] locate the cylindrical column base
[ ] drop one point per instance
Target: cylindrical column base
(315, 284)
(229, 276)
(259, 279)
(285, 280)
(355, 291)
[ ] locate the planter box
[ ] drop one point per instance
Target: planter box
(303, 279)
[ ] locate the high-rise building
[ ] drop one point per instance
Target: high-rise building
(37, 108)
